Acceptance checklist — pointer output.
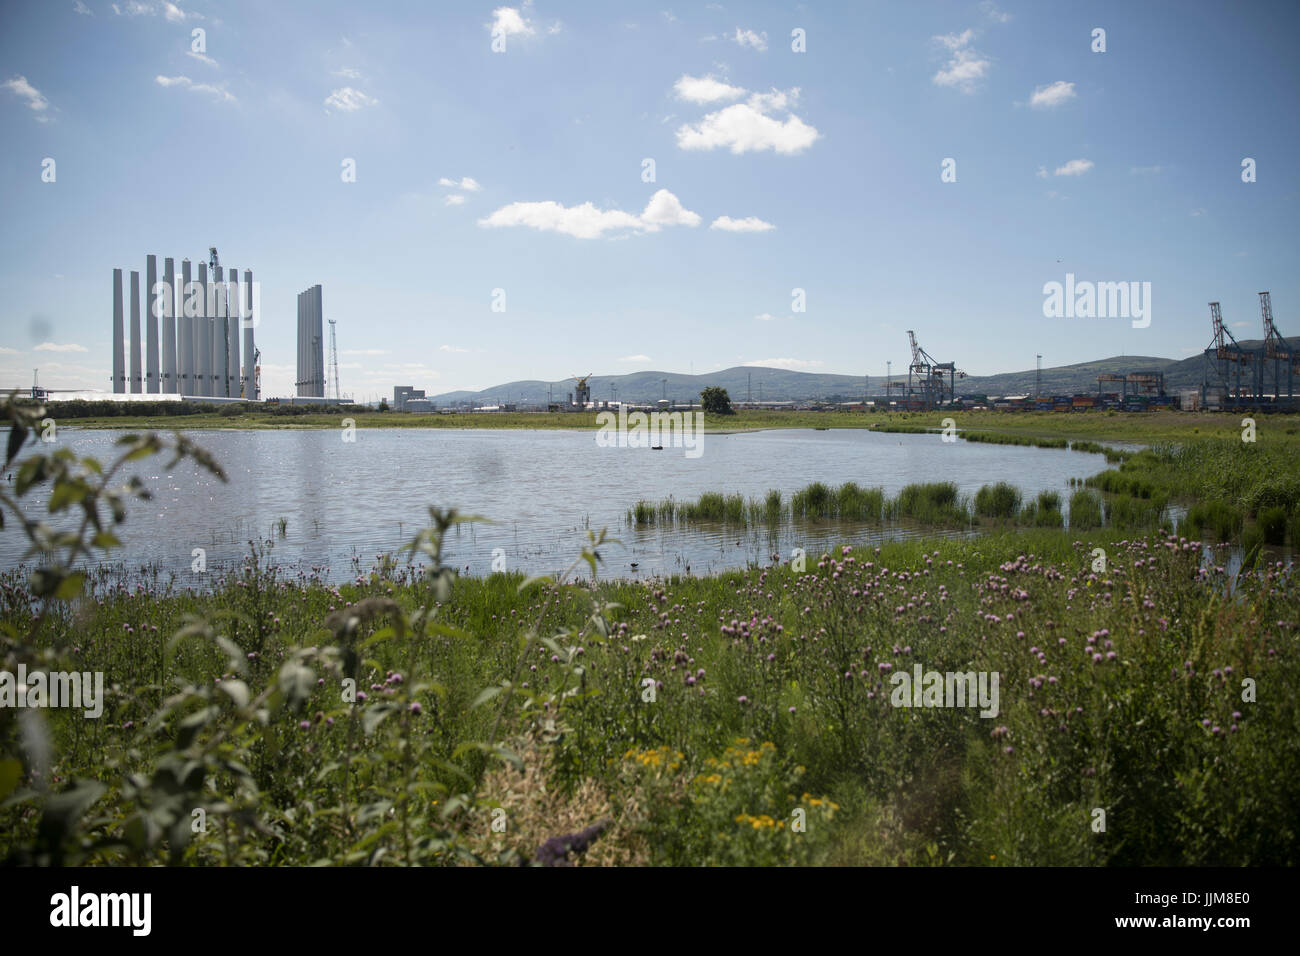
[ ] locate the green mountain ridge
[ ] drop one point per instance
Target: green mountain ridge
(760, 383)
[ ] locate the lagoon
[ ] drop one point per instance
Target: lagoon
(344, 503)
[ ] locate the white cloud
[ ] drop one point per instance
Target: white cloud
(705, 89)
(52, 347)
(665, 209)
(465, 183)
(749, 38)
(588, 222)
(1198, 212)
(186, 83)
(956, 41)
(202, 58)
(347, 73)
(1042, 172)
(451, 348)
(1054, 94)
(19, 86)
(508, 21)
(993, 13)
(965, 67)
(81, 8)
(455, 199)
(348, 100)
(765, 317)
(743, 127)
(136, 8)
(786, 363)
(748, 224)
(1075, 167)
(9, 351)
(640, 359)
(668, 16)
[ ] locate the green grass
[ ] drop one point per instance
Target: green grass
(997, 501)
(935, 503)
(1085, 511)
(1216, 519)
(1018, 788)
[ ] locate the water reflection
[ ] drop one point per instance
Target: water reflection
(343, 504)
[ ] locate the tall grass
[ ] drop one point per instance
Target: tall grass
(934, 503)
(813, 501)
(1214, 517)
(1029, 441)
(859, 504)
(997, 501)
(1085, 510)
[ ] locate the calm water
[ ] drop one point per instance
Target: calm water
(346, 503)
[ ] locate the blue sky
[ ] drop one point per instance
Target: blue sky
(475, 168)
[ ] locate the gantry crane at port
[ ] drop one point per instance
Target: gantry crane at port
(926, 377)
(1225, 359)
(1278, 351)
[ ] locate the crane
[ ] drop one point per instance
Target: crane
(334, 360)
(1228, 352)
(1278, 349)
(930, 374)
(582, 394)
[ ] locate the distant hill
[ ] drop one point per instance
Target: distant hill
(782, 385)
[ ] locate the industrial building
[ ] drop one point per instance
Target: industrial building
(404, 394)
(311, 346)
(191, 332)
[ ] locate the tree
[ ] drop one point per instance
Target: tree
(716, 401)
(383, 404)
